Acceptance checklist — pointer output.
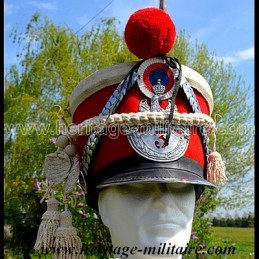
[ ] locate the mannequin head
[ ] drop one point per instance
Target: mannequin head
(148, 215)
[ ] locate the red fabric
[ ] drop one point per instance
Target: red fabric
(116, 146)
(150, 32)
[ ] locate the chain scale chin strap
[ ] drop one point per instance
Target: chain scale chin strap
(188, 90)
(118, 96)
(108, 109)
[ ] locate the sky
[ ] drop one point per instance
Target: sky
(226, 27)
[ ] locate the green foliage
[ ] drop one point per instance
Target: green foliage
(246, 221)
(236, 147)
(53, 60)
(201, 236)
(235, 129)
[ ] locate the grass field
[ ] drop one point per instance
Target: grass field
(241, 238)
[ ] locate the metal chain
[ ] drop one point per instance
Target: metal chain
(115, 100)
(108, 109)
(188, 90)
(173, 62)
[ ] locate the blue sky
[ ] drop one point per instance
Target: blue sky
(225, 26)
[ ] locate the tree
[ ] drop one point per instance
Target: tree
(235, 129)
(53, 60)
(215, 222)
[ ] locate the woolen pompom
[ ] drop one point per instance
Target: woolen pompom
(150, 32)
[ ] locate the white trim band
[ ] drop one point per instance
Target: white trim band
(115, 74)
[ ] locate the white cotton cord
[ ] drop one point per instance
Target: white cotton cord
(140, 118)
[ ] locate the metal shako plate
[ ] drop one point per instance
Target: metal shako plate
(149, 141)
(156, 81)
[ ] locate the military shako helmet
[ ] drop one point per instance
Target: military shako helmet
(147, 120)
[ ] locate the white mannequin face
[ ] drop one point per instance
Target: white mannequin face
(148, 214)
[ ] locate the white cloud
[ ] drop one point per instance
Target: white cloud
(246, 54)
(44, 5)
(9, 9)
(201, 33)
(239, 56)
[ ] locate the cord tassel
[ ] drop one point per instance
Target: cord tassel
(216, 168)
(67, 244)
(216, 172)
(50, 222)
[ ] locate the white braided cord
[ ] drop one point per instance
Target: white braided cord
(132, 119)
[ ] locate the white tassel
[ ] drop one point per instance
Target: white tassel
(56, 233)
(67, 244)
(50, 222)
(216, 171)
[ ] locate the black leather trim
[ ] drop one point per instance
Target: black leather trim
(140, 169)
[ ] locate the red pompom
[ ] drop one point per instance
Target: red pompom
(150, 32)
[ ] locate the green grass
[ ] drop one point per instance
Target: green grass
(241, 238)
